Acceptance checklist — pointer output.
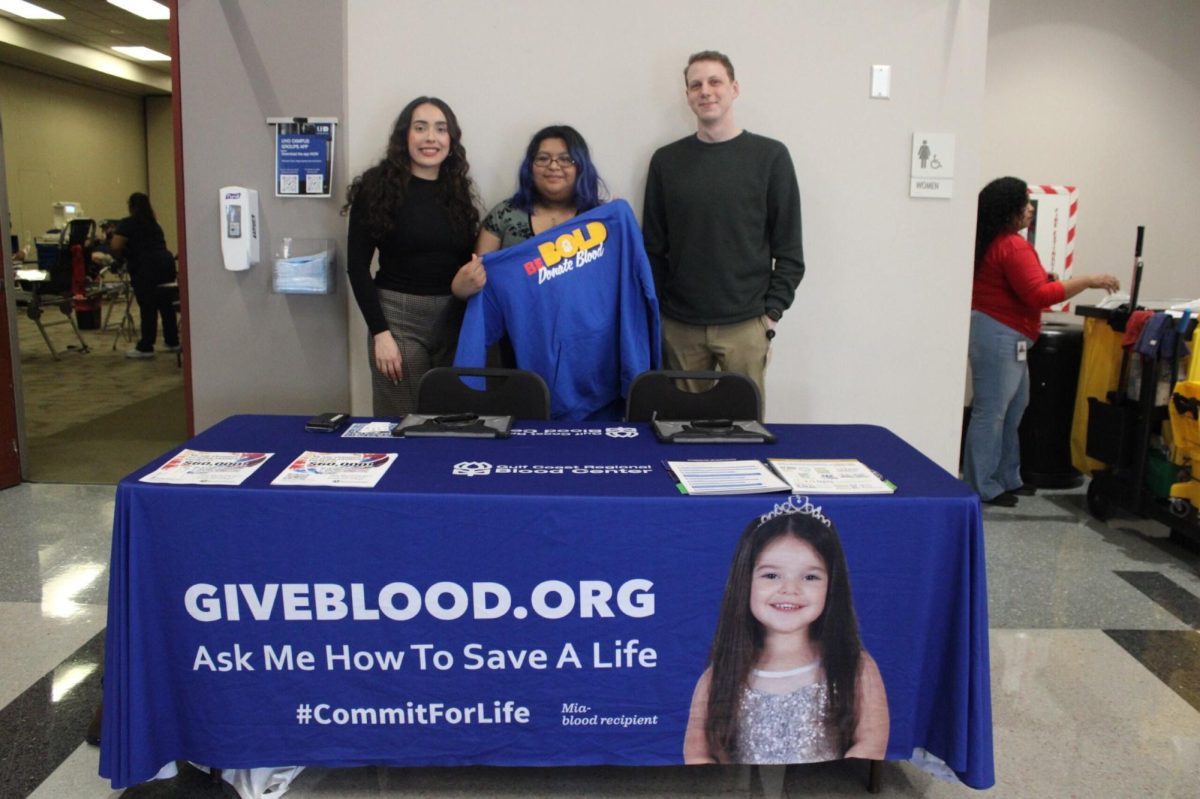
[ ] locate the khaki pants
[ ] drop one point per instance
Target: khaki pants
(740, 347)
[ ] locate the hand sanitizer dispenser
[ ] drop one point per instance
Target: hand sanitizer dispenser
(239, 228)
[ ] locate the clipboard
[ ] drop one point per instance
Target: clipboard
(712, 431)
(453, 425)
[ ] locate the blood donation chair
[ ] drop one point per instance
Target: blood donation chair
(62, 280)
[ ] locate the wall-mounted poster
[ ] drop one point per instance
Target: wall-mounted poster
(303, 156)
(1052, 232)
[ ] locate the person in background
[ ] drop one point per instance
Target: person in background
(1009, 292)
(722, 228)
(102, 255)
(417, 209)
(139, 240)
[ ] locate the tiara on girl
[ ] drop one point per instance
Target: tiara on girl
(793, 506)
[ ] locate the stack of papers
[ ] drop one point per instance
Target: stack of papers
(726, 477)
(193, 467)
(846, 476)
(342, 469)
(369, 430)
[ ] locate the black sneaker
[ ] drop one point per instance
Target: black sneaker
(1026, 490)
(1005, 500)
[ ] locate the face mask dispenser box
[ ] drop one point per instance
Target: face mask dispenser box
(303, 266)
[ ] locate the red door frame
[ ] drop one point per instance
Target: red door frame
(10, 448)
(181, 217)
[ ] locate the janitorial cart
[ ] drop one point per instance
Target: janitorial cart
(1145, 432)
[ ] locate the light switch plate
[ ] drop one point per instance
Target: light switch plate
(881, 82)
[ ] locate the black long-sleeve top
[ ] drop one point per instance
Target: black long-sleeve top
(420, 255)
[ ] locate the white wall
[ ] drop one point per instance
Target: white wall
(242, 61)
(160, 166)
(878, 331)
(64, 141)
(1105, 95)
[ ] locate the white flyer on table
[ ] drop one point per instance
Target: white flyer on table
(830, 476)
(726, 477)
(341, 469)
(370, 430)
(193, 467)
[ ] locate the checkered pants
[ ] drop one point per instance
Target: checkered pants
(426, 330)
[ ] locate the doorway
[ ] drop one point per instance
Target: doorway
(87, 414)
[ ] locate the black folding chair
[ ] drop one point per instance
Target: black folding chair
(732, 396)
(35, 297)
(509, 392)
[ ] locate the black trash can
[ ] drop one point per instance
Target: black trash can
(1046, 428)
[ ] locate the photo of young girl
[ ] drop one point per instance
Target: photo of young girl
(788, 680)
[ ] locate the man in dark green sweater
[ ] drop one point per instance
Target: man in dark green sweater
(722, 230)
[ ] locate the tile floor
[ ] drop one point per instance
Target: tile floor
(1095, 672)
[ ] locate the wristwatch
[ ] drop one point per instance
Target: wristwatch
(774, 314)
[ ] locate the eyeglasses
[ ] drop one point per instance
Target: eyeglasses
(544, 160)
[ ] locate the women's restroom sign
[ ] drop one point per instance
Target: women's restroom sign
(932, 168)
(1052, 231)
(303, 156)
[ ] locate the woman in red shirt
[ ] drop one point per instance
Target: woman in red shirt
(1007, 298)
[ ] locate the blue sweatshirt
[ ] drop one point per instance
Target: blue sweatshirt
(578, 303)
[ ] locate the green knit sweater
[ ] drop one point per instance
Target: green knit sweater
(722, 228)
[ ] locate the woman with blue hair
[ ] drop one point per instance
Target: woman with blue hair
(556, 181)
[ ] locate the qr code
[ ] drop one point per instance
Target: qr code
(314, 184)
(289, 184)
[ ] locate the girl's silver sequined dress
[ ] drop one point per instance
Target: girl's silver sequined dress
(787, 727)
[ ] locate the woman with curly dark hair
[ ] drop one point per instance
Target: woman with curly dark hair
(1008, 295)
(417, 208)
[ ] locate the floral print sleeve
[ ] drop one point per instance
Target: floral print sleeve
(509, 224)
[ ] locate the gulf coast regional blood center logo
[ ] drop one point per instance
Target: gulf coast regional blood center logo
(484, 469)
(472, 468)
(570, 250)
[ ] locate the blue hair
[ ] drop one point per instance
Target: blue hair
(589, 188)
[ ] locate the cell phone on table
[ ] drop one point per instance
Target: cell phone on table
(326, 423)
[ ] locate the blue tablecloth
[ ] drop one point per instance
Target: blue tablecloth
(261, 625)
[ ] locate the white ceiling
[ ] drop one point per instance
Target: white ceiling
(94, 24)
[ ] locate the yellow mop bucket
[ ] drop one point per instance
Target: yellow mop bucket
(1184, 409)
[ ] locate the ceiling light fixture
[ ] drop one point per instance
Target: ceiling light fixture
(142, 53)
(27, 10)
(146, 9)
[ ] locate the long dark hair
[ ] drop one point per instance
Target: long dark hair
(382, 188)
(589, 188)
(1000, 202)
(140, 208)
(738, 641)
